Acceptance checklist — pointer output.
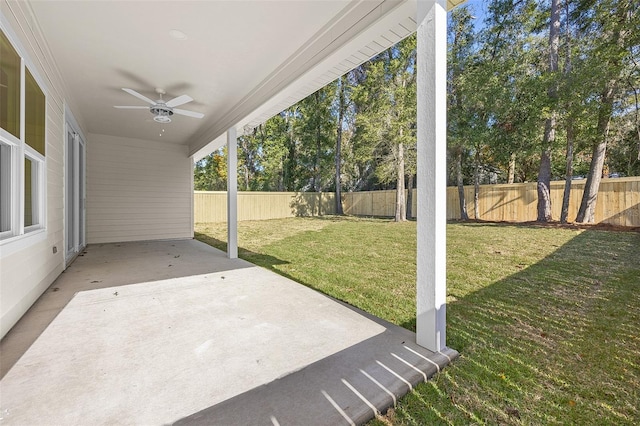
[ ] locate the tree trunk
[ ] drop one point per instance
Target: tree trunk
(247, 162)
(281, 175)
(476, 186)
(401, 213)
(316, 159)
(410, 197)
(544, 176)
(566, 196)
(457, 69)
(544, 173)
(246, 171)
(635, 92)
(246, 178)
(341, 107)
(586, 213)
(568, 177)
(512, 168)
(290, 168)
(460, 182)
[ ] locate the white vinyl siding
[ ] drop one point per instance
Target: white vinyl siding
(137, 190)
(29, 266)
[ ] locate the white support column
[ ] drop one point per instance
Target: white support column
(232, 194)
(431, 290)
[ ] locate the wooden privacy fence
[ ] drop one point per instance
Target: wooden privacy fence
(373, 203)
(618, 203)
(212, 206)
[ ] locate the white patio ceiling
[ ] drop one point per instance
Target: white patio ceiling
(242, 61)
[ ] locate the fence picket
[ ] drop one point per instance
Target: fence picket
(618, 203)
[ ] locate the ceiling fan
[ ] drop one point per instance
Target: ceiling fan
(162, 110)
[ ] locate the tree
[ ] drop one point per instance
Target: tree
(272, 136)
(341, 110)
(290, 162)
(313, 131)
(570, 125)
(544, 174)
(249, 160)
(359, 165)
(459, 115)
(623, 153)
(210, 173)
(387, 113)
(612, 29)
(503, 96)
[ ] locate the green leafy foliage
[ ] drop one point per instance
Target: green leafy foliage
(210, 173)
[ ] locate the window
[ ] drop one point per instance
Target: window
(5, 190)
(34, 117)
(10, 69)
(32, 190)
(22, 145)
(34, 106)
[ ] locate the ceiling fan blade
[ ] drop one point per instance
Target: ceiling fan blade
(139, 96)
(188, 113)
(180, 100)
(130, 107)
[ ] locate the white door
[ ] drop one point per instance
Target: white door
(74, 194)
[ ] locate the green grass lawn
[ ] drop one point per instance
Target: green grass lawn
(547, 320)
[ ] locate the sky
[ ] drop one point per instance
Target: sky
(478, 8)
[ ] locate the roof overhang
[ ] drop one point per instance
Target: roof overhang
(369, 27)
(243, 61)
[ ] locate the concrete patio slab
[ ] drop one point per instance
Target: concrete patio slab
(177, 333)
(109, 265)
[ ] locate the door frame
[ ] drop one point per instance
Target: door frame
(75, 226)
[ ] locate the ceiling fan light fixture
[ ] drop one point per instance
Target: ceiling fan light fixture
(161, 113)
(162, 119)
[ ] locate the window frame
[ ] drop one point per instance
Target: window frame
(7, 198)
(37, 185)
(19, 236)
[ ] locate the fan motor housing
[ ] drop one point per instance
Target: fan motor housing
(161, 112)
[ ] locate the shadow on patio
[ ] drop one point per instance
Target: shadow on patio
(159, 332)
